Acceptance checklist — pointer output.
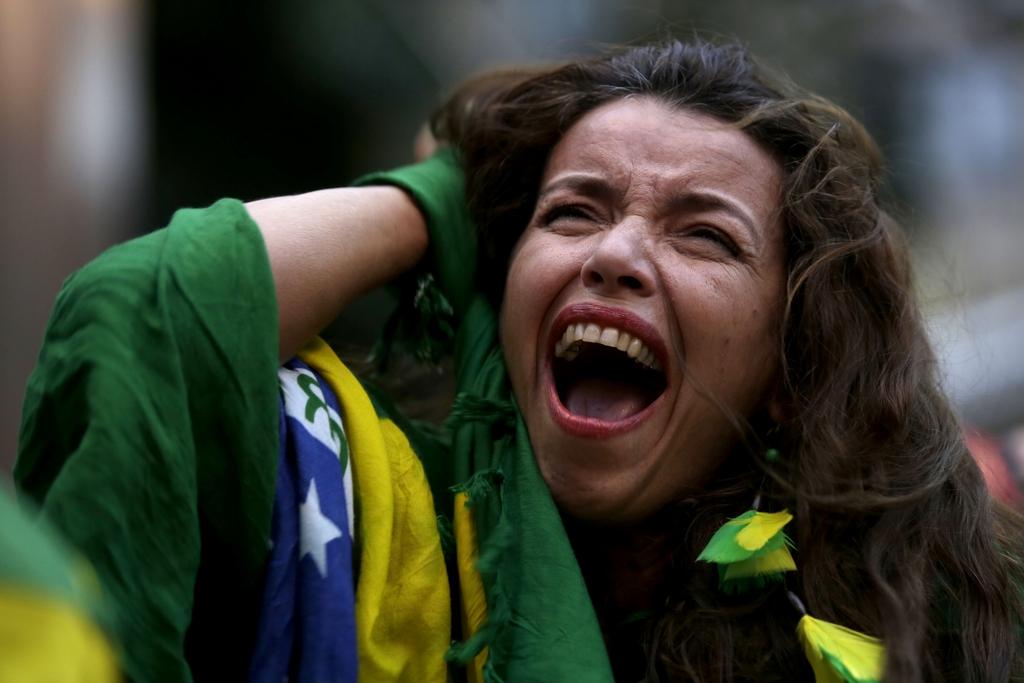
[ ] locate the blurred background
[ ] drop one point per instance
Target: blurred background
(113, 113)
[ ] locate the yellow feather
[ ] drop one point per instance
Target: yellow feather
(861, 655)
(772, 562)
(761, 528)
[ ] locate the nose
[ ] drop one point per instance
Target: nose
(619, 263)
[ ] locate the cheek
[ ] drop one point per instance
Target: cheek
(729, 327)
(540, 272)
(532, 282)
(742, 307)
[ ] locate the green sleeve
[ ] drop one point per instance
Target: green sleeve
(437, 186)
(149, 437)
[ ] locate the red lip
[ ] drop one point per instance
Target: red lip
(590, 427)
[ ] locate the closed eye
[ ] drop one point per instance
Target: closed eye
(568, 217)
(715, 236)
(564, 211)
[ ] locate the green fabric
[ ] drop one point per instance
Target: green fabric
(149, 437)
(541, 624)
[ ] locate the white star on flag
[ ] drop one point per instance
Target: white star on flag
(316, 530)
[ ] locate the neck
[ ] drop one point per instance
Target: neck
(625, 567)
(626, 570)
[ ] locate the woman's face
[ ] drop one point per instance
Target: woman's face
(656, 239)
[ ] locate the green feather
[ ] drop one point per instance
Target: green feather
(724, 548)
(751, 551)
(756, 572)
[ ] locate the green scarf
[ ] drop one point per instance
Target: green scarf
(540, 622)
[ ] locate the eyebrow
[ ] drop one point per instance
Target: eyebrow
(590, 185)
(687, 201)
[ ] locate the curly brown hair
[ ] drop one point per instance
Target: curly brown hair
(897, 535)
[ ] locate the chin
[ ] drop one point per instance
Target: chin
(598, 510)
(596, 495)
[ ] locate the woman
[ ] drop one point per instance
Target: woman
(700, 305)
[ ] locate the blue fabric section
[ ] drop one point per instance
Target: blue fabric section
(307, 626)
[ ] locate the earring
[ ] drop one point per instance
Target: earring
(838, 654)
(753, 550)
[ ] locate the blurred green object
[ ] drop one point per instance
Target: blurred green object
(53, 626)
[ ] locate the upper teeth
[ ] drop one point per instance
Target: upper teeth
(568, 346)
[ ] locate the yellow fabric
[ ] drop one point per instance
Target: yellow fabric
(47, 641)
(863, 656)
(474, 603)
(761, 528)
(771, 562)
(403, 608)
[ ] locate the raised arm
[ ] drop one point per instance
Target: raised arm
(327, 248)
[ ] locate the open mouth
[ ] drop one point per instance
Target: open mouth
(604, 374)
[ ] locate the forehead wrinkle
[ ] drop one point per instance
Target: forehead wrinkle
(596, 174)
(712, 159)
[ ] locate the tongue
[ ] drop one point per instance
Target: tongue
(605, 399)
